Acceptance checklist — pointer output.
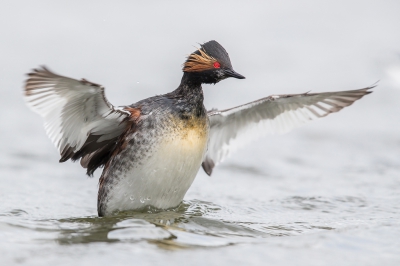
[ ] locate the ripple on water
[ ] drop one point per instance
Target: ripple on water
(14, 212)
(193, 223)
(198, 223)
(138, 229)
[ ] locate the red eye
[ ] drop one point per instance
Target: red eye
(217, 65)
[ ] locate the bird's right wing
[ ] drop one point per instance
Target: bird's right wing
(78, 118)
(274, 114)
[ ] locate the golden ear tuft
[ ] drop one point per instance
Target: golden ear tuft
(199, 62)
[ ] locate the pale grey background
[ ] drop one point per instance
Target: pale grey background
(135, 49)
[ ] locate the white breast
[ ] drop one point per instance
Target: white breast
(162, 179)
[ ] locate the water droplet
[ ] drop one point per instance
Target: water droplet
(148, 198)
(175, 190)
(132, 198)
(142, 200)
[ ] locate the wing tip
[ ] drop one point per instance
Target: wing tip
(39, 70)
(368, 89)
(208, 166)
(37, 74)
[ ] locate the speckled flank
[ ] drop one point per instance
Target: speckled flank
(159, 164)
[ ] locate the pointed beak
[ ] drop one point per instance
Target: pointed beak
(233, 74)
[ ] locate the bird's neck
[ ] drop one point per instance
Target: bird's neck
(190, 89)
(190, 96)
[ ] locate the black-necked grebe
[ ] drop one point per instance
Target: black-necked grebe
(152, 150)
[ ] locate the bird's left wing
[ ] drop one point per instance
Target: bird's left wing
(274, 114)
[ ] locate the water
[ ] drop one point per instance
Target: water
(324, 194)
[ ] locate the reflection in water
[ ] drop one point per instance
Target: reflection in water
(197, 223)
(181, 227)
(193, 223)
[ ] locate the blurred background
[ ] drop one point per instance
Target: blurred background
(331, 186)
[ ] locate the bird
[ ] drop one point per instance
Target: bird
(152, 150)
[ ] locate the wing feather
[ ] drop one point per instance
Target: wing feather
(78, 118)
(274, 114)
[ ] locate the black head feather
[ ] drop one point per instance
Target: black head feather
(210, 64)
(214, 49)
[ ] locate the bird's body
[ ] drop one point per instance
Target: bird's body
(152, 150)
(162, 155)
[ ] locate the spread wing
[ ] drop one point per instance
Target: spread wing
(77, 116)
(274, 114)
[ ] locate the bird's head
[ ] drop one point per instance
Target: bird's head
(210, 64)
